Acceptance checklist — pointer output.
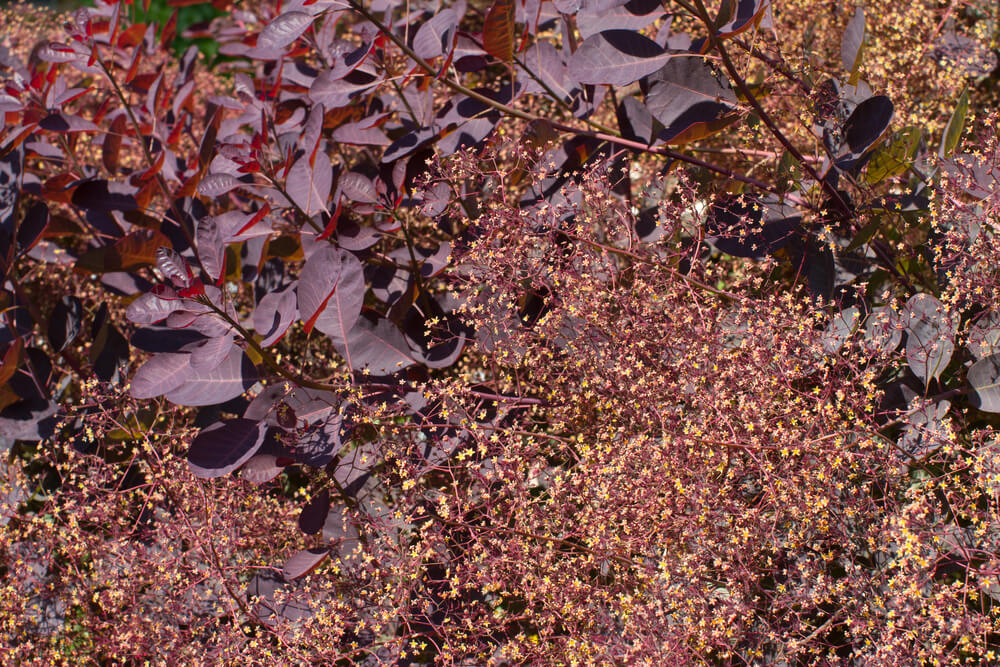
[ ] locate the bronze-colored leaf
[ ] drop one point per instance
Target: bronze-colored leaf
(498, 30)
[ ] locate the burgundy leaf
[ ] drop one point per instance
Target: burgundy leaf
(100, 195)
(375, 344)
(231, 378)
(214, 185)
(224, 447)
(313, 514)
(261, 468)
(434, 37)
(274, 314)
(303, 562)
(498, 30)
(317, 282)
(309, 185)
(617, 58)
(160, 374)
(634, 15)
(284, 30)
(173, 267)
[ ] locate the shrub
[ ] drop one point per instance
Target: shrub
(505, 333)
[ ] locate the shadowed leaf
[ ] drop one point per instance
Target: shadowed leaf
(220, 449)
(617, 58)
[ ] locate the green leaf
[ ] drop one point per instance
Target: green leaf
(895, 157)
(956, 124)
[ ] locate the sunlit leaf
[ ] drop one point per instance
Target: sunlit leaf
(498, 30)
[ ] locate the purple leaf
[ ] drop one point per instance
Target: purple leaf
(284, 30)
(317, 282)
(214, 185)
(930, 335)
(547, 64)
(358, 187)
(313, 514)
(309, 186)
(334, 92)
(634, 15)
(64, 123)
(434, 37)
(853, 40)
(746, 13)
(211, 252)
(261, 468)
(224, 447)
(686, 92)
(161, 374)
(206, 355)
(617, 58)
(173, 267)
(64, 323)
(361, 134)
(231, 378)
(303, 562)
(355, 467)
(100, 195)
(151, 308)
(55, 52)
(35, 220)
(274, 314)
(312, 130)
(343, 307)
(375, 344)
(863, 128)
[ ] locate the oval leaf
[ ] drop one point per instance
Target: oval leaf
(303, 562)
(231, 378)
(222, 448)
(498, 30)
(284, 30)
(617, 58)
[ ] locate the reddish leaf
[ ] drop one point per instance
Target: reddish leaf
(303, 562)
(111, 149)
(498, 30)
(11, 360)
